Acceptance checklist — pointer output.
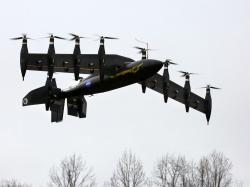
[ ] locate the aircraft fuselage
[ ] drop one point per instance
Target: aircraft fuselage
(115, 77)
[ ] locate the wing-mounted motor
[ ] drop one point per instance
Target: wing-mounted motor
(24, 55)
(76, 55)
(208, 101)
(49, 95)
(187, 89)
(143, 52)
(77, 106)
(165, 79)
(51, 55)
(101, 56)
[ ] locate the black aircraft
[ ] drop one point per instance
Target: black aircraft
(107, 72)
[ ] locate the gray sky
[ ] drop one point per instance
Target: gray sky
(209, 37)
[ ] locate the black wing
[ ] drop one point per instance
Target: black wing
(65, 62)
(176, 92)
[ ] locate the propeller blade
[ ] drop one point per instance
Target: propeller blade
(140, 48)
(58, 37)
(183, 72)
(110, 38)
(215, 88)
(17, 38)
(169, 62)
(211, 87)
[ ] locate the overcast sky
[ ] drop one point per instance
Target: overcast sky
(209, 37)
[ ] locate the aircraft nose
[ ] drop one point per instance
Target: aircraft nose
(155, 64)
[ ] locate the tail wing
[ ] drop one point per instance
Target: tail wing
(50, 96)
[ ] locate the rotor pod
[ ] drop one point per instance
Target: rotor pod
(51, 54)
(165, 79)
(76, 55)
(187, 89)
(23, 54)
(143, 51)
(208, 101)
(101, 55)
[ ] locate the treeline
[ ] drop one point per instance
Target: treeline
(213, 170)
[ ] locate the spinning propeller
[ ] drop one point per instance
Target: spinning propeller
(75, 37)
(107, 37)
(168, 62)
(102, 38)
(211, 87)
(52, 36)
(185, 74)
(24, 36)
(143, 51)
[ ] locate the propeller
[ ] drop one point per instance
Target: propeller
(211, 87)
(143, 49)
(184, 73)
(106, 37)
(53, 36)
(24, 36)
(169, 62)
(75, 36)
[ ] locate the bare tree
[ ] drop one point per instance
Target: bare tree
(220, 170)
(12, 183)
(171, 171)
(203, 172)
(161, 172)
(214, 171)
(72, 172)
(129, 172)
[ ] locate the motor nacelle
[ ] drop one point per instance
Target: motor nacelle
(187, 91)
(208, 104)
(165, 81)
(77, 66)
(24, 58)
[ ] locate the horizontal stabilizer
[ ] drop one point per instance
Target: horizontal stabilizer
(36, 96)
